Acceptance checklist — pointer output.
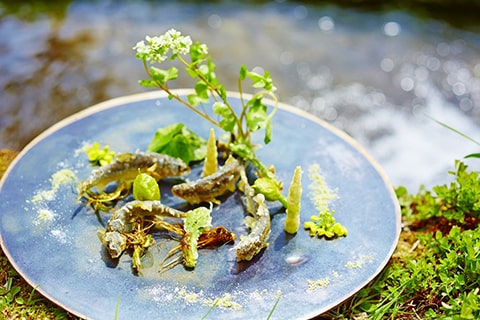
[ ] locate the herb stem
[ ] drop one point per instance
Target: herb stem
(215, 92)
(188, 105)
(165, 88)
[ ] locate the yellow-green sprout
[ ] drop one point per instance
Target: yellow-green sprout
(211, 160)
(292, 221)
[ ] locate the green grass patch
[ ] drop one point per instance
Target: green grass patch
(435, 270)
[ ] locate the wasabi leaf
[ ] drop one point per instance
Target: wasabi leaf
(178, 141)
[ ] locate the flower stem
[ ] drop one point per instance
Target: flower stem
(165, 88)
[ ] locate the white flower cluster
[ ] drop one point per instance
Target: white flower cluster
(156, 49)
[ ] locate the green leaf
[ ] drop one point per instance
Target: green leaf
(259, 81)
(473, 155)
(195, 100)
(201, 89)
(163, 76)
(268, 132)
(164, 136)
(178, 141)
(470, 308)
(198, 52)
(243, 72)
(192, 72)
(147, 83)
(172, 73)
(201, 94)
(221, 109)
(243, 150)
(222, 92)
(256, 114)
(268, 81)
(259, 84)
(210, 73)
(203, 70)
(228, 124)
(180, 147)
(255, 77)
(159, 75)
(228, 120)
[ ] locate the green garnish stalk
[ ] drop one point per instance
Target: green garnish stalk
(292, 221)
(197, 221)
(253, 114)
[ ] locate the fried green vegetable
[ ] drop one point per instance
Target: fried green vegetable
(197, 221)
(292, 221)
(145, 187)
(271, 189)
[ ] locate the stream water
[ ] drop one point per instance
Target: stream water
(377, 76)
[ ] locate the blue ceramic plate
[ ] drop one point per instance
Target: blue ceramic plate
(52, 241)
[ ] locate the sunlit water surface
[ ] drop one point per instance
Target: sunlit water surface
(375, 76)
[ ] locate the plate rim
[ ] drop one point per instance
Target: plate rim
(149, 95)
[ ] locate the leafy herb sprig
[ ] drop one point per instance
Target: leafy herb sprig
(240, 124)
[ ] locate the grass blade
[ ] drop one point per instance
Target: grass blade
(454, 130)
